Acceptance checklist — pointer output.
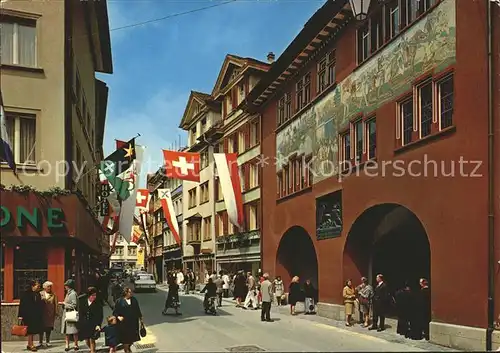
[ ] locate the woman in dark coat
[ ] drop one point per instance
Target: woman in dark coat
(404, 306)
(31, 312)
(129, 314)
(294, 294)
(90, 315)
(240, 288)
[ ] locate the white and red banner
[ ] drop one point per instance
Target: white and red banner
(168, 210)
(229, 179)
(142, 199)
(182, 165)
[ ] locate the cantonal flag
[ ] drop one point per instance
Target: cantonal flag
(169, 213)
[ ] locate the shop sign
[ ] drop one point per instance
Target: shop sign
(102, 199)
(54, 216)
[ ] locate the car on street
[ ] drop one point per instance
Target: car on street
(145, 282)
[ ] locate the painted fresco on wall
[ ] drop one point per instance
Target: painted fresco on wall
(429, 44)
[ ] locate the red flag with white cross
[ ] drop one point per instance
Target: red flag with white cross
(182, 165)
(142, 199)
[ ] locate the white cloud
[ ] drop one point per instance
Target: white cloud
(157, 121)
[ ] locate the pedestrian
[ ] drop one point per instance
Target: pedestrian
(381, 304)
(349, 295)
(251, 297)
(49, 312)
(422, 315)
(278, 289)
(357, 305)
(266, 289)
(128, 313)
(172, 300)
(31, 311)
(310, 294)
(226, 283)
(294, 294)
(365, 297)
(240, 288)
(90, 315)
(179, 278)
(404, 305)
(68, 321)
(111, 339)
(219, 284)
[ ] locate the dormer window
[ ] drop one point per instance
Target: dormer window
(241, 91)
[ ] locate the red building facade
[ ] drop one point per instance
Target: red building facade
(380, 131)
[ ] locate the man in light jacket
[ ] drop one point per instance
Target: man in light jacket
(266, 289)
(252, 292)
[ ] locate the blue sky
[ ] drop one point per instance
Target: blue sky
(157, 65)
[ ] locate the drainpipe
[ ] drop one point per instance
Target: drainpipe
(491, 175)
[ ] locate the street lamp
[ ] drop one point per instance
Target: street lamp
(360, 9)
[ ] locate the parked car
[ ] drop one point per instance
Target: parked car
(146, 282)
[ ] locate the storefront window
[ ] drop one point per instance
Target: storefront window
(30, 263)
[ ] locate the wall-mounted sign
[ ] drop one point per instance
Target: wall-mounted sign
(33, 217)
(102, 199)
(329, 215)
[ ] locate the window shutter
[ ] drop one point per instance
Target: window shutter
(224, 108)
(247, 85)
(234, 96)
(226, 144)
(217, 226)
(246, 221)
(258, 130)
(247, 136)
(225, 223)
(246, 179)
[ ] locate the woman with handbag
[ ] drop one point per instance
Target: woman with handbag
(70, 315)
(349, 294)
(365, 296)
(30, 312)
(90, 315)
(129, 315)
(49, 301)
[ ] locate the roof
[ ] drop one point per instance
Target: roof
(242, 62)
(104, 37)
(202, 98)
(313, 26)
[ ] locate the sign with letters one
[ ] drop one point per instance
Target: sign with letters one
(33, 217)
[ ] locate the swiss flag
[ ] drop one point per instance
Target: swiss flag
(182, 165)
(142, 199)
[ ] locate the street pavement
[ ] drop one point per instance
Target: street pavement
(238, 330)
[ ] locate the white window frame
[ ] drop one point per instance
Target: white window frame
(16, 116)
(438, 97)
(253, 176)
(419, 105)
(401, 104)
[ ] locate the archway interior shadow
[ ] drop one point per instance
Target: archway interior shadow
(296, 254)
(388, 239)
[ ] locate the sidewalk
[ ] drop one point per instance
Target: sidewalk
(389, 334)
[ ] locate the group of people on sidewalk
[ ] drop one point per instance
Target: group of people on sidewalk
(373, 304)
(81, 316)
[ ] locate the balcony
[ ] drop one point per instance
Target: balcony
(194, 239)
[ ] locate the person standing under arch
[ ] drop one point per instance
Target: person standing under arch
(381, 303)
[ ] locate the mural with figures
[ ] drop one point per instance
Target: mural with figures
(428, 44)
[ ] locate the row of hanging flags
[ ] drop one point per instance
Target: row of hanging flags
(119, 172)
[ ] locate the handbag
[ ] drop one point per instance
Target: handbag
(71, 316)
(142, 331)
(19, 330)
(363, 300)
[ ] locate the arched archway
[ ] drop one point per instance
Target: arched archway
(297, 256)
(391, 240)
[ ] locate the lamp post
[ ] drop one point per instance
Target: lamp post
(360, 9)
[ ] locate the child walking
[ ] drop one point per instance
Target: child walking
(111, 334)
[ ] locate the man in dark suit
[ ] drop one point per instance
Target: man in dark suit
(381, 304)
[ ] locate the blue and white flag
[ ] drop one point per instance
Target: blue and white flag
(5, 145)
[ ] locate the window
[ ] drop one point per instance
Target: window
(288, 106)
(220, 196)
(132, 251)
(192, 197)
(345, 141)
(376, 31)
(204, 159)
(303, 91)
(21, 129)
(119, 251)
(425, 108)
(220, 224)
(392, 19)
(326, 71)
(371, 131)
(424, 6)
(241, 90)
(18, 42)
(241, 142)
(280, 185)
(281, 111)
(193, 136)
(204, 192)
(203, 125)
(254, 133)
(253, 216)
(254, 176)
(364, 42)
(30, 263)
(445, 101)
(358, 135)
(207, 228)
(194, 229)
(406, 115)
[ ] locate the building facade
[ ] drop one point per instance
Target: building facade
(239, 249)
(55, 113)
(124, 254)
(172, 252)
(201, 120)
(156, 225)
(379, 138)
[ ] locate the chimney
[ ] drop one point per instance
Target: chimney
(270, 57)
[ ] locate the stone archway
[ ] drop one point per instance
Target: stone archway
(297, 256)
(387, 239)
